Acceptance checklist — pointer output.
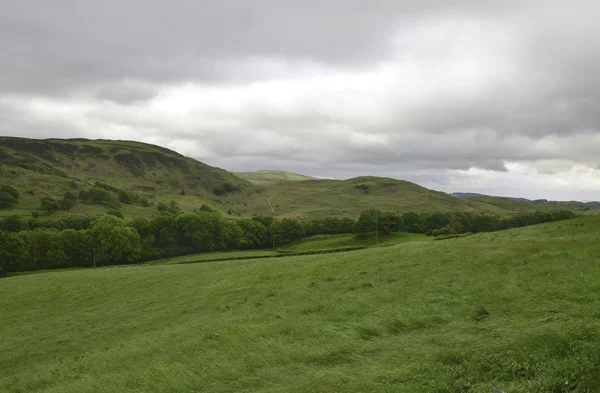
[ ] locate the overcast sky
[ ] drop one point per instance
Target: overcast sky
(497, 98)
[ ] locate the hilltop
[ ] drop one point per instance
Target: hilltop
(515, 309)
(51, 167)
(270, 177)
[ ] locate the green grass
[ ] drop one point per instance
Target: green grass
(516, 309)
(348, 198)
(322, 242)
(208, 256)
(270, 177)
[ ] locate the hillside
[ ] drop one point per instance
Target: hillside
(49, 168)
(270, 177)
(322, 198)
(148, 175)
(519, 205)
(516, 309)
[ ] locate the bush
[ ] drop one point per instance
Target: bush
(48, 204)
(115, 213)
(11, 190)
(7, 200)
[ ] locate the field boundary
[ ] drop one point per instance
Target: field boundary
(281, 254)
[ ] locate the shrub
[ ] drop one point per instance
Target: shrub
(7, 199)
(48, 204)
(11, 190)
(115, 213)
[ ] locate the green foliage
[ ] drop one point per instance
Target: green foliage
(49, 204)
(116, 243)
(99, 196)
(7, 200)
(71, 196)
(115, 213)
(11, 190)
(13, 224)
(13, 253)
(206, 209)
(225, 188)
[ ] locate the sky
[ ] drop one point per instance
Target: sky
(497, 97)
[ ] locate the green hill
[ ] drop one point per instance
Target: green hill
(524, 205)
(516, 309)
(322, 198)
(49, 168)
(270, 177)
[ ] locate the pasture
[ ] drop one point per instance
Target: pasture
(516, 309)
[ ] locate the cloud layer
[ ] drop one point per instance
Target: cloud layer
(500, 98)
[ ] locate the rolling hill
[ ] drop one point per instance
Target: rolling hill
(270, 177)
(52, 167)
(49, 168)
(516, 309)
(323, 198)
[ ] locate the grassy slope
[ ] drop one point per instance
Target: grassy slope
(324, 242)
(322, 198)
(402, 319)
(524, 206)
(52, 167)
(270, 177)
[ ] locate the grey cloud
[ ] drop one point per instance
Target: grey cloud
(521, 84)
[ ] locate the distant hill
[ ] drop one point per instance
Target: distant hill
(323, 198)
(270, 177)
(153, 174)
(474, 194)
(524, 204)
(51, 167)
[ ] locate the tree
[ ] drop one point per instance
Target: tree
(70, 248)
(11, 190)
(142, 226)
(368, 222)
(40, 241)
(13, 224)
(412, 222)
(48, 204)
(7, 200)
(205, 208)
(115, 213)
(254, 234)
(13, 253)
(165, 230)
(114, 241)
(162, 207)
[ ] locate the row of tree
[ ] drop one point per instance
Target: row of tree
(107, 240)
(437, 223)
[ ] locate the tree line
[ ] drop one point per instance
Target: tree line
(450, 223)
(107, 240)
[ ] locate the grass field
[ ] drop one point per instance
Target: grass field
(322, 242)
(208, 256)
(517, 309)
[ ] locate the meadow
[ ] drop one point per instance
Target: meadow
(517, 309)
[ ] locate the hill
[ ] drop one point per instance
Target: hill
(49, 168)
(136, 177)
(514, 309)
(270, 177)
(524, 205)
(323, 198)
